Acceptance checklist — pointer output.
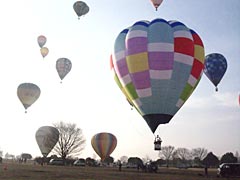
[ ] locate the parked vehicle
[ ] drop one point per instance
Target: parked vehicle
(56, 162)
(183, 166)
(79, 162)
(229, 170)
(131, 165)
(152, 166)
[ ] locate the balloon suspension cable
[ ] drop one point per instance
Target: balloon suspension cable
(158, 135)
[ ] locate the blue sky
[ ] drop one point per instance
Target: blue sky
(89, 96)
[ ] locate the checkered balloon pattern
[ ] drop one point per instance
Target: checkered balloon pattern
(157, 65)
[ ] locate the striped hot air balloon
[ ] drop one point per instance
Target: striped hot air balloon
(104, 144)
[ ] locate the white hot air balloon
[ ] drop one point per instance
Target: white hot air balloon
(28, 93)
(47, 137)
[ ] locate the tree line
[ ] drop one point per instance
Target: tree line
(197, 157)
(72, 142)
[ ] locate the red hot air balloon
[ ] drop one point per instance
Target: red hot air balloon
(156, 3)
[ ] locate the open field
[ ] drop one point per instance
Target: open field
(15, 171)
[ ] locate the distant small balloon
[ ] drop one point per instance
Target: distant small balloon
(44, 51)
(239, 99)
(41, 40)
(28, 93)
(80, 8)
(63, 66)
(156, 3)
(215, 67)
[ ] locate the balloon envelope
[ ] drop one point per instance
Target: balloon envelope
(63, 66)
(156, 3)
(44, 51)
(46, 137)
(104, 144)
(28, 93)
(157, 65)
(41, 40)
(80, 8)
(239, 99)
(215, 67)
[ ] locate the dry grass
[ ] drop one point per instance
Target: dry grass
(14, 171)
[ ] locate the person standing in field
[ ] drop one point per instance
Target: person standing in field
(119, 165)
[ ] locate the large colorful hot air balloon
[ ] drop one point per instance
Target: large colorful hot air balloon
(157, 65)
(41, 40)
(104, 144)
(80, 8)
(28, 93)
(46, 137)
(215, 67)
(44, 51)
(156, 3)
(63, 66)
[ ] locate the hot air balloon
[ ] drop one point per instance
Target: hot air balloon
(46, 137)
(157, 65)
(156, 3)
(44, 51)
(28, 93)
(81, 8)
(63, 66)
(215, 67)
(239, 99)
(41, 40)
(104, 144)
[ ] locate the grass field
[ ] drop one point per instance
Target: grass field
(15, 171)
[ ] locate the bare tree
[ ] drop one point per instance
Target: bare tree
(146, 159)
(167, 153)
(124, 159)
(71, 140)
(237, 156)
(9, 156)
(183, 153)
(199, 153)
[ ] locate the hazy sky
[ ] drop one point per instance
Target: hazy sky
(89, 95)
